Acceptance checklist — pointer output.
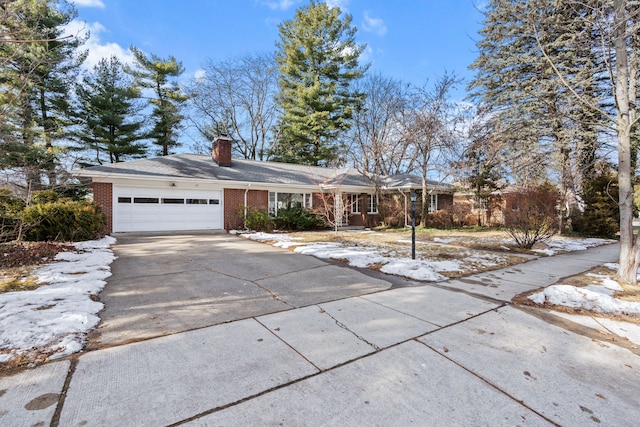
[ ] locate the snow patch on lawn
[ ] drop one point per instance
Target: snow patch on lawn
(368, 256)
(413, 269)
(585, 298)
(55, 317)
(599, 298)
(566, 244)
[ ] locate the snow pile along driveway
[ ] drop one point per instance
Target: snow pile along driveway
(54, 318)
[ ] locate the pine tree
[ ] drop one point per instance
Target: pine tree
(38, 63)
(107, 110)
(545, 128)
(153, 72)
(318, 59)
(588, 49)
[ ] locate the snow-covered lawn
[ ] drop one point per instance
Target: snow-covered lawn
(597, 298)
(53, 319)
(425, 267)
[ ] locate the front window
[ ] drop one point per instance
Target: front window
(279, 201)
(433, 203)
(355, 203)
(373, 204)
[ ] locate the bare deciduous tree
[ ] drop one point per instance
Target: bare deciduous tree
(236, 97)
(430, 127)
(379, 146)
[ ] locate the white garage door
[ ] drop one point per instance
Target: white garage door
(171, 209)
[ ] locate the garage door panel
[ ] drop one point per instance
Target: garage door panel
(169, 210)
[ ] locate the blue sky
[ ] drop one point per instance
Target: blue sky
(410, 40)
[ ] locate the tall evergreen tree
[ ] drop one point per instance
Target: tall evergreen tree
(108, 110)
(318, 59)
(155, 73)
(544, 128)
(38, 64)
(588, 50)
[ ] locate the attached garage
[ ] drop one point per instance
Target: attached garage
(166, 209)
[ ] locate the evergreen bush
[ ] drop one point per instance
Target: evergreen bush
(256, 219)
(63, 220)
(11, 208)
(297, 218)
(44, 196)
(601, 216)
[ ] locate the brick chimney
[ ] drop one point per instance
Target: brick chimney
(221, 150)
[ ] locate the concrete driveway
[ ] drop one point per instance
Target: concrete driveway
(164, 284)
(421, 355)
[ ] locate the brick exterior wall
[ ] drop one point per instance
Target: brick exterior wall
(103, 197)
(234, 198)
(445, 201)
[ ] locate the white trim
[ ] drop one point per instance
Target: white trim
(370, 203)
(433, 202)
(355, 203)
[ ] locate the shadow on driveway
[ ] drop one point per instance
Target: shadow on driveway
(164, 284)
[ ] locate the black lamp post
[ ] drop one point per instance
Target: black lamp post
(413, 224)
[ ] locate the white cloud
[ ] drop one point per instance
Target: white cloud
(280, 4)
(342, 4)
(200, 75)
(286, 4)
(374, 25)
(96, 47)
(88, 3)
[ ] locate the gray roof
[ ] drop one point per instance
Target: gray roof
(194, 166)
(414, 182)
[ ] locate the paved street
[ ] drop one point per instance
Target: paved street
(225, 331)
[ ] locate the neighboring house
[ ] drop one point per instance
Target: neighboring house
(491, 210)
(196, 192)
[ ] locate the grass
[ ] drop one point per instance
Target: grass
(475, 251)
(17, 279)
(18, 260)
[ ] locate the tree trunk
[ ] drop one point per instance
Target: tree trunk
(629, 250)
(425, 208)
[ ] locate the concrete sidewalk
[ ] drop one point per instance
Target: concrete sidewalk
(453, 353)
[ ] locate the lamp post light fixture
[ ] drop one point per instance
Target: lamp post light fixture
(413, 224)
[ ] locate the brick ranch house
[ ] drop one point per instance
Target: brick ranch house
(197, 192)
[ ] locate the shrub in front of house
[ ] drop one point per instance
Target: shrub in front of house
(63, 220)
(298, 219)
(11, 208)
(453, 216)
(256, 219)
(531, 215)
(44, 196)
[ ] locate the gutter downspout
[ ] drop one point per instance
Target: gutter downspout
(245, 202)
